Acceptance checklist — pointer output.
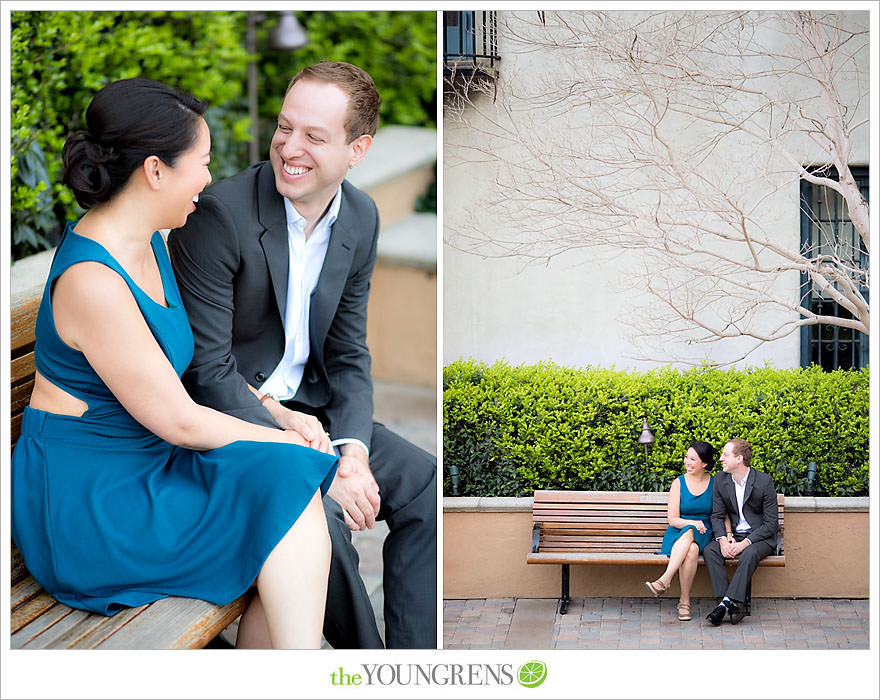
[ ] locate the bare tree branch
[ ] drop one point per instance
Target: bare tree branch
(677, 134)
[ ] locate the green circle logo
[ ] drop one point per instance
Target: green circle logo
(531, 674)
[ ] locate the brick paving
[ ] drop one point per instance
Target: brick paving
(647, 623)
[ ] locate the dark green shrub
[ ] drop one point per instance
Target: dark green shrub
(510, 430)
(59, 59)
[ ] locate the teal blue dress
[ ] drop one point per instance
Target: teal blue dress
(691, 508)
(106, 514)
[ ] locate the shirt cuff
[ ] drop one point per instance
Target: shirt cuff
(350, 441)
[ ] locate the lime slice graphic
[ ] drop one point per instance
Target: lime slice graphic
(532, 673)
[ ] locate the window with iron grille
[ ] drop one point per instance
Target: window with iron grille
(470, 43)
(827, 230)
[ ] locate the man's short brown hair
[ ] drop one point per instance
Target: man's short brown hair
(363, 98)
(742, 448)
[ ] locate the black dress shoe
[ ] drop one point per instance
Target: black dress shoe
(717, 615)
(737, 613)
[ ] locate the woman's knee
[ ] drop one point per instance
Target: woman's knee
(693, 551)
(318, 523)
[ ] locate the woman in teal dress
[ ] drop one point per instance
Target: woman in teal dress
(687, 511)
(124, 491)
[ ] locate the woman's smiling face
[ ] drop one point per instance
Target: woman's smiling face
(692, 462)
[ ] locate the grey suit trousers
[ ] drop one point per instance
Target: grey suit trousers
(736, 587)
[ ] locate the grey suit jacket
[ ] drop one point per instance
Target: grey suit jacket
(231, 263)
(759, 506)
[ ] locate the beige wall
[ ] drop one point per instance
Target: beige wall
(484, 556)
(402, 324)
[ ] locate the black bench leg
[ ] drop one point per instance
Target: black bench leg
(565, 599)
(747, 603)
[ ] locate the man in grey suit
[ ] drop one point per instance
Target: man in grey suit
(748, 498)
(274, 269)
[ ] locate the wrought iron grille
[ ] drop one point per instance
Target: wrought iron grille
(827, 229)
(470, 43)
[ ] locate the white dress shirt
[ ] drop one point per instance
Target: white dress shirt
(740, 488)
(306, 258)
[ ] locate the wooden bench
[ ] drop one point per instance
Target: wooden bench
(607, 527)
(38, 621)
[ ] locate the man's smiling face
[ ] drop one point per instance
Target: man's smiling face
(310, 154)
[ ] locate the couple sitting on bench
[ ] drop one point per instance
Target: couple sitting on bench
(130, 484)
(700, 511)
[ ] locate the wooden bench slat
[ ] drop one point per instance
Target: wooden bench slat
(91, 630)
(599, 507)
(19, 571)
(15, 428)
(19, 397)
(610, 516)
(43, 621)
(634, 546)
(603, 528)
(22, 321)
(624, 558)
(59, 628)
(31, 608)
(602, 496)
(22, 591)
(175, 623)
(22, 369)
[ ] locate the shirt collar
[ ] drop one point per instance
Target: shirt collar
(298, 221)
(744, 479)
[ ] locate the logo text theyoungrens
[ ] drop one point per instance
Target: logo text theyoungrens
(425, 674)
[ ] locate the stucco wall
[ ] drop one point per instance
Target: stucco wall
(485, 548)
(580, 307)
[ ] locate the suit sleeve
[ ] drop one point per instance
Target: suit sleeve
(346, 356)
(205, 257)
(769, 526)
(719, 510)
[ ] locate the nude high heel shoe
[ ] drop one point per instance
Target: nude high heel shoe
(657, 587)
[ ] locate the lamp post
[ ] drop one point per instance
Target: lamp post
(287, 35)
(811, 475)
(453, 475)
(646, 439)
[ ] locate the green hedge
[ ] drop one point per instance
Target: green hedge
(59, 59)
(512, 429)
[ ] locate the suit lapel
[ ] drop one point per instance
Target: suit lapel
(750, 484)
(270, 207)
(730, 491)
(334, 273)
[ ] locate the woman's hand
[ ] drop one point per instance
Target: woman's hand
(292, 437)
(701, 528)
(308, 427)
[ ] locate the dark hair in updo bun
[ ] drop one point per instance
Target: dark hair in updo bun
(705, 452)
(127, 121)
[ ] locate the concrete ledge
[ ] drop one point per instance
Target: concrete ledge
(411, 243)
(28, 276)
(793, 504)
(486, 504)
(396, 150)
